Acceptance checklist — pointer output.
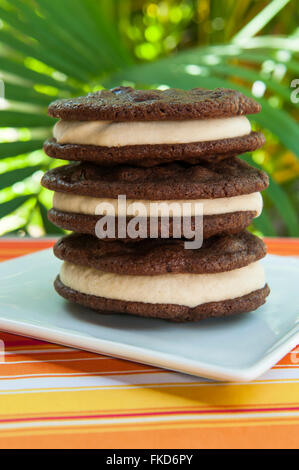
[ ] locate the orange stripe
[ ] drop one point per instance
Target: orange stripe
(188, 437)
(14, 248)
(29, 242)
(275, 245)
(292, 358)
(51, 356)
(174, 435)
(10, 337)
(283, 246)
(89, 373)
(76, 367)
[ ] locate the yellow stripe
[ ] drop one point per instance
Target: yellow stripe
(140, 398)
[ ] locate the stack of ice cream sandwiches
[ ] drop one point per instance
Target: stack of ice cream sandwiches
(132, 150)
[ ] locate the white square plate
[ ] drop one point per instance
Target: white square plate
(239, 348)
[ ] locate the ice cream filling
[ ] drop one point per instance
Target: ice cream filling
(179, 289)
(119, 134)
(67, 202)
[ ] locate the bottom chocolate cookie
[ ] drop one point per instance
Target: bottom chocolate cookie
(161, 278)
(172, 312)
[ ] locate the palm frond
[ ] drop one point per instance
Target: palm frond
(260, 20)
(12, 149)
(63, 48)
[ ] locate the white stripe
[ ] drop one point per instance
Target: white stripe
(287, 365)
(149, 419)
(130, 379)
(271, 374)
(46, 361)
(77, 374)
(98, 381)
(284, 373)
(141, 386)
(37, 351)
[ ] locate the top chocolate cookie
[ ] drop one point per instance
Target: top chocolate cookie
(127, 104)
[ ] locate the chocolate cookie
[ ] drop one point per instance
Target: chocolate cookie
(127, 104)
(118, 126)
(219, 224)
(210, 182)
(176, 181)
(175, 313)
(151, 155)
(162, 279)
(159, 256)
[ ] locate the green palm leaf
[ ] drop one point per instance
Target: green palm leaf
(164, 72)
(63, 48)
(260, 20)
(11, 149)
(30, 77)
(20, 119)
(48, 226)
(25, 94)
(10, 206)
(10, 177)
(281, 202)
(264, 225)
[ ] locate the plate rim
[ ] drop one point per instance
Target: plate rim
(163, 360)
(146, 356)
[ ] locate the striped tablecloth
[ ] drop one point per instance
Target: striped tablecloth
(57, 397)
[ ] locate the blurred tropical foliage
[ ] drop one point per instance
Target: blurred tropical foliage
(62, 48)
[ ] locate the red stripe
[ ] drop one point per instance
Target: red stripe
(158, 413)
